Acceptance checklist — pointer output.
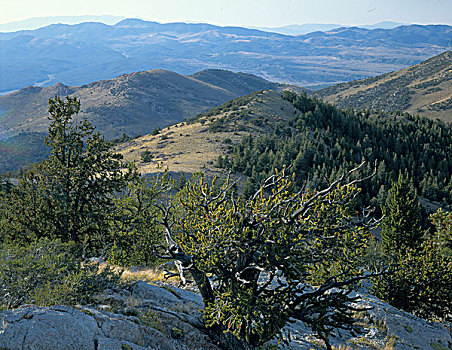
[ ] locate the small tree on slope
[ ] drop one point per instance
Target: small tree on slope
(421, 282)
(401, 229)
(254, 260)
(70, 195)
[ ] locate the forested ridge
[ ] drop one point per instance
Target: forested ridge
(320, 141)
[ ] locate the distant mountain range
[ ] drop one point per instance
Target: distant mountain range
(424, 89)
(294, 29)
(86, 52)
(301, 29)
(38, 22)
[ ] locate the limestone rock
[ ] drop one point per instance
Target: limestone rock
(168, 318)
(88, 328)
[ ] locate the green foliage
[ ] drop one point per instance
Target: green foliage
(48, 273)
(135, 229)
(70, 195)
(421, 282)
(123, 138)
(443, 231)
(401, 229)
(147, 156)
(322, 139)
(155, 132)
(266, 252)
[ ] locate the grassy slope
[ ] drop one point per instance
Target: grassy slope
(191, 147)
(423, 89)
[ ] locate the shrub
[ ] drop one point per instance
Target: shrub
(146, 157)
(48, 273)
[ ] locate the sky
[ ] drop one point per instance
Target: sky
(264, 13)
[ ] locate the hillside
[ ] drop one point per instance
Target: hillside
(133, 103)
(85, 52)
(423, 89)
(196, 144)
(254, 134)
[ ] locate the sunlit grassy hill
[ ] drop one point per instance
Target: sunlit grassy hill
(195, 145)
(425, 89)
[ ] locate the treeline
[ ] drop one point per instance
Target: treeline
(320, 141)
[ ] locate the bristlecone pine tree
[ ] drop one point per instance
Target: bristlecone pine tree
(255, 260)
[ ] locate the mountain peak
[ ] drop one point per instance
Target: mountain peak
(133, 22)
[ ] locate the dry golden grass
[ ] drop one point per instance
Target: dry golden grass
(181, 148)
(421, 98)
(193, 147)
(147, 275)
(140, 274)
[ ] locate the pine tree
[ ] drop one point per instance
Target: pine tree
(401, 228)
(265, 252)
(70, 195)
(443, 234)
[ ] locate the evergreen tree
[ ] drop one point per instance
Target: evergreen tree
(401, 228)
(421, 282)
(443, 230)
(70, 195)
(265, 252)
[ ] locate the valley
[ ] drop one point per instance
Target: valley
(86, 52)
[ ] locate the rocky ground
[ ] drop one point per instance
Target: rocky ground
(147, 316)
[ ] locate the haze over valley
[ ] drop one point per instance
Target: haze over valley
(82, 53)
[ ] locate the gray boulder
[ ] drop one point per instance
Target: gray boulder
(164, 318)
(167, 318)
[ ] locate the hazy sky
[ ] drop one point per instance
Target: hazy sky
(240, 12)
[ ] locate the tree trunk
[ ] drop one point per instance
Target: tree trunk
(203, 283)
(226, 341)
(229, 341)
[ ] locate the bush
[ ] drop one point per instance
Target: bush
(48, 273)
(266, 253)
(146, 157)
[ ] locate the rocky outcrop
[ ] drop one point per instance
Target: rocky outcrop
(383, 327)
(164, 317)
(148, 317)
